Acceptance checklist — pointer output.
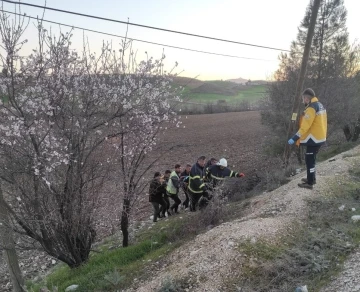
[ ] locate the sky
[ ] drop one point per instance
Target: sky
(261, 22)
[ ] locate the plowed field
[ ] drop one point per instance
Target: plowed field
(238, 137)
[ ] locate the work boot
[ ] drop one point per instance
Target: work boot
(306, 186)
(304, 180)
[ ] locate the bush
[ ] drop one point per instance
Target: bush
(169, 285)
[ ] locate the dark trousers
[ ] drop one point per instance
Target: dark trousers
(156, 206)
(194, 199)
(174, 207)
(166, 207)
(187, 200)
(310, 160)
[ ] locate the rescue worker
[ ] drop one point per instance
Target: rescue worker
(184, 179)
(312, 134)
(173, 187)
(166, 177)
(197, 187)
(210, 162)
(156, 196)
(217, 173)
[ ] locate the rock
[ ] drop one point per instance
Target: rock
(355, 218)
(341, 208)
(317, 248)
(53, 262)
(353, 209)
(71, 288)
(194, 252)
(231, 243)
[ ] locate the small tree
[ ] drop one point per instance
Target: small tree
(149, 102)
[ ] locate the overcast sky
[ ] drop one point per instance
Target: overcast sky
(262, 22)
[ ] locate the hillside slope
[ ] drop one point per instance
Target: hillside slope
(213, 258)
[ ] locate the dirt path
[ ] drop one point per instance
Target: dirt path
(213, 256)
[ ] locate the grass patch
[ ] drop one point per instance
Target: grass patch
(312, 253)
(251, 93)
(92, 275)
(332, 150)
(113, 270)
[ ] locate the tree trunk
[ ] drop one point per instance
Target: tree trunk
(301, 79)
(318, 81)
(9, 248)
(125, 222)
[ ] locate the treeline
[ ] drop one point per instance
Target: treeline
(333, 72)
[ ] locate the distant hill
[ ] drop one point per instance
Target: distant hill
(238, 80)
(259, 82)
(230, 87)
(188, 82)
(217, 87)
(246, 81)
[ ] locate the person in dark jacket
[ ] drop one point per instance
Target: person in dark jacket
(197, 187)
(210, 162)
(173, 186)
(218, 172)
(184, 179)
(156, 195)
(166, 178)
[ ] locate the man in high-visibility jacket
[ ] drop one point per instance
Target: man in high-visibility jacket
(196, 186)
(312, 134)
(217, 173)
(173, 187)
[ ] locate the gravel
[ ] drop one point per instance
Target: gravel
(349, 278)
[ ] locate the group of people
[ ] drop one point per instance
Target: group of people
(197, 182)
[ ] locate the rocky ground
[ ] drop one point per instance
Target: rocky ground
(33, 264)
(349, 278)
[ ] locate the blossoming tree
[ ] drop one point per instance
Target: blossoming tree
(59, 113)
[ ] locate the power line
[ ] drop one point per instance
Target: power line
(147, 42)
(144, 26)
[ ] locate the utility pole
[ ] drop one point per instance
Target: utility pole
(8, 245)
(300, 83)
